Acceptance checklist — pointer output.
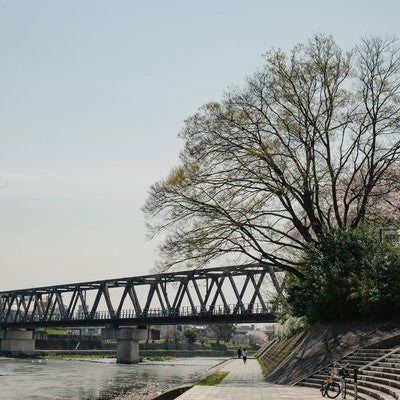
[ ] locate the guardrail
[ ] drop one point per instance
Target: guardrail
(152, 313)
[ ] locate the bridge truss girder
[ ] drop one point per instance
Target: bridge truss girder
(235, 293)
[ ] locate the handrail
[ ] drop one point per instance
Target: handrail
(162, 312)
(379, 359)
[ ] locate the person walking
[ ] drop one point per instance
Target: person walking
(239, 352)
(244, 355)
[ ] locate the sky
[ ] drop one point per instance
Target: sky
(93, 95)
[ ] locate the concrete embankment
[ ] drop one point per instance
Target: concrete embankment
(329, 342)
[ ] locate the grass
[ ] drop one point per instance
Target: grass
(66, 354)
(52, 331)
(156, 358)
(279, 352)
(213, 379)
(73, 355)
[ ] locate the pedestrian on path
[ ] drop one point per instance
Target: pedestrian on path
(244, 355)
(239, 352)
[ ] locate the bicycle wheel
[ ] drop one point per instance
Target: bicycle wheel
(323, 389)
(333, 390)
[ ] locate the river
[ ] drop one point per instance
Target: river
(89, 379)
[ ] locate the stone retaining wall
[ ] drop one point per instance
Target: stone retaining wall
(329, 342)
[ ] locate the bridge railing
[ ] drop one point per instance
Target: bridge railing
(152, 313)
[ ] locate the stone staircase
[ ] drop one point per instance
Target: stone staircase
(378, 374)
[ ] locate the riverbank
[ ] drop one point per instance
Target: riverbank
(79, 379)
(156, 391)
(149, 392)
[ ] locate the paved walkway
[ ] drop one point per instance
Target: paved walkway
(245, 382)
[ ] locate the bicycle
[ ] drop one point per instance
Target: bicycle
(332, 388)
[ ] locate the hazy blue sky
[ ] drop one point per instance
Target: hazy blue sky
(93, 96)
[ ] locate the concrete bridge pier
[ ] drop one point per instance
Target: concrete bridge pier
(17, 342)
(128, 344)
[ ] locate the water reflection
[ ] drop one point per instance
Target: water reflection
(91, 379)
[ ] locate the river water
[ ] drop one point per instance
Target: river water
(88, 379)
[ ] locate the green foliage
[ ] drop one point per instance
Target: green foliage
(348, 274)
(67, 354)
(218, 346)
(190, 335)
(156, 358)
(289, 326)
(51, 331)
(213, 379)
(223, 331)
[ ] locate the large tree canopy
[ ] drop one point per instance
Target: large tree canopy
(311, 141)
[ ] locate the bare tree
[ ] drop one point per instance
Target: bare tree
(311, 141)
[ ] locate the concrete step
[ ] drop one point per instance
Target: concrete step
(310, 384)
(383, 381)
(360, 358)
(381, 368)
(370, 393)
(312, 381)
(390, 375)
(373, 388)
(379, 381)
(387, 364)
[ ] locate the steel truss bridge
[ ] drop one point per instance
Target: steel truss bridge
(227, 294)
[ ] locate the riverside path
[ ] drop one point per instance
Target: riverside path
(246, 382)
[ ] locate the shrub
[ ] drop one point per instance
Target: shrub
(348, 274)
(290, 326)
(190, 335)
